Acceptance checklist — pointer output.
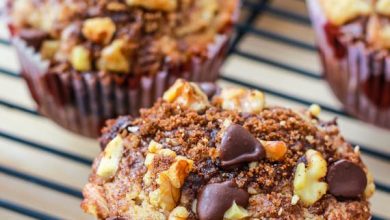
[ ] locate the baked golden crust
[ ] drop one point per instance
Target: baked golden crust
(171, 132)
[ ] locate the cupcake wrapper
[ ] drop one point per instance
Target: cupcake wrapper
(358, 75)
(82, 102)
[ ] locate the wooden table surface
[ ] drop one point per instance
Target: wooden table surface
(44, 167)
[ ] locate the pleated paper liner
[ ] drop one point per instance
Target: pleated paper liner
(81, 102)
(358, 75)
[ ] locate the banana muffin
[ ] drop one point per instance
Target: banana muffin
(231, 157)
(353, 38)
(86, 61)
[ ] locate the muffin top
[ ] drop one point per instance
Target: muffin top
(121, 36)
(360, 20)
(230, 158)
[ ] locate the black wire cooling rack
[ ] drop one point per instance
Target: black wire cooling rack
(253, 10)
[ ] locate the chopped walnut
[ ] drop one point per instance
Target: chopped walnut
(179, 213)
(307, 184)
(99, 30)
(187, 94)
(169, 181)
(80, 58)
(339, 12)
(383, 7)
(166, 196)
(164, 5)
(370, 188)
(315, 110)
(49, 49)
(236, 212)
(242, 100)
(111, 157)
(113, 58)
(378, 34)
(275, 150)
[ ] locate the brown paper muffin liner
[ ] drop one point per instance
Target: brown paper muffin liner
(358, 75)
(82, 102)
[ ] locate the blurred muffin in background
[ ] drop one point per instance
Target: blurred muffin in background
(86, 61)
(353, 37)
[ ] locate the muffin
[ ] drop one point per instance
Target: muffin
(233, 157)
(353, 38)
(89, 60)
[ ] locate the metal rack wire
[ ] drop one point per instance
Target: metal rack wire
(255, 9)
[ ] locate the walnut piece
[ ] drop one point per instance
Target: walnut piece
(370, 188)
(315, 110)
(111, 157)
(113, 58)
(236, 212)
(99, 30)
(80, 58)
(307, 184)
(49, 49)
(341, 11)
(275, 150)
(169, 181)
(383, 7)
(378, 34)
(242, 100)
(179, 213)
(164, 5)
(187, 94)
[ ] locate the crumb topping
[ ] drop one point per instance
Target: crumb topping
(294, 144)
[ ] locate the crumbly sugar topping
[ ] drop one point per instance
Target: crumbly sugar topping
(178, 161)
(121, 36)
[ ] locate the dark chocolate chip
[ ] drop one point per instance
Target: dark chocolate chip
(211, 89)
(117, 218)
(33, 37)
(215, 199)
(238, 146)
(346, 179)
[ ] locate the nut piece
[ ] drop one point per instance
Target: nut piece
(370, 188)
(340, 12)
(179, 170)
(383, 7)
(315, 110)
(307, 184)
(99, 30)
(275, 150)
(165, 5)
(113, 58)
(378, 34)
(236, 212)
(179, 213)
(187, 94)
(243, 100)
(166, 196)
(80, 58)
(49, 49)
(111, 157)
(169, 181)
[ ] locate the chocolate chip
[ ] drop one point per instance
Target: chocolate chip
(346, 179)
(33, 37)
(238, 146)
(211, 89)
(215, 199)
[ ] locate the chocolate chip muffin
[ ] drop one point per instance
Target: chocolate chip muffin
(89, 60)
(353, 37)
(233, 157)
